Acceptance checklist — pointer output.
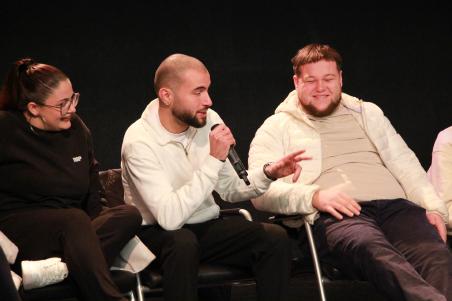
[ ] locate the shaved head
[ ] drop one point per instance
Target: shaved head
(169, 73)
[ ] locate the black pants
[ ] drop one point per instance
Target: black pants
(87, 247)
(392, 244)
(263, 249)
(7, 289)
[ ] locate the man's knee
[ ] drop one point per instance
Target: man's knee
(182, 238)
(277, 237)
(181, 242)
(275, 232)
(126, 216)
(73, 220)
(437, 254)
(360, 244)
(73, 226)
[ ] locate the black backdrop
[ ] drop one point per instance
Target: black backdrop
(399, 59)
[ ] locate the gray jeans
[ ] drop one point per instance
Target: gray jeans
(391, 244)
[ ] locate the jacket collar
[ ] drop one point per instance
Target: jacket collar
(291, 105)
(152, 124)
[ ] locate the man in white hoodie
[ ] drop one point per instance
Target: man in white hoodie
(440, 171)
(373, 207)
(172, 161)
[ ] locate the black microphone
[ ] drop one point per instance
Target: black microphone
(236, 162)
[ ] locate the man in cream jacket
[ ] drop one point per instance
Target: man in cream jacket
(172, 161)
(374, 210)
(440, 171)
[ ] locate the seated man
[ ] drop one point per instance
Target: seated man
(172, 161)
(440, 172)
(377, 212)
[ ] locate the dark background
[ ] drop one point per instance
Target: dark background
(399, 59)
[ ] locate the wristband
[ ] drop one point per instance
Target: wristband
(265, 172)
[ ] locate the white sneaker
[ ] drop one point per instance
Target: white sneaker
(40, 273)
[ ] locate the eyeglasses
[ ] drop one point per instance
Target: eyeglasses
(65, 104)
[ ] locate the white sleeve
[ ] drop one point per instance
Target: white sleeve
(171, 208)
(232, 188)
(440, 172)
(406, 168)
(283, 196)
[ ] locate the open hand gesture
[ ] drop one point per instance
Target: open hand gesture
(286, 166)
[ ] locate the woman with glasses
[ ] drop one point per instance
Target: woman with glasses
(49, 188)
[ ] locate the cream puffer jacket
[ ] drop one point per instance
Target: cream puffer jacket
(289, 129)
(171, 184)
(440, 172)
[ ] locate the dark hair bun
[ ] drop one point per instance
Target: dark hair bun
(24, 64)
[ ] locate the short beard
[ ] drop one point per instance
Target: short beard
(190, 119)
(311, 110)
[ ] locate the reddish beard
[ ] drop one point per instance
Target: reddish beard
(312, 110)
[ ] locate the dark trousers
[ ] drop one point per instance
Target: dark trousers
(87, 247)
(391, 244)
(263, 249)
(7, 289)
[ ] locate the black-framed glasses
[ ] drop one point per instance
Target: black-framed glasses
(65, 104)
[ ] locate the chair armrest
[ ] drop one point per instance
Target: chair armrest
(236, 211)
(282, 217)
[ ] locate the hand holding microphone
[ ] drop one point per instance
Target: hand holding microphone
(220, 141)
(222, 146)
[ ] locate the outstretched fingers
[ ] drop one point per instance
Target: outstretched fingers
(296, 173)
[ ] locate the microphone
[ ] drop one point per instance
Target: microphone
(236, 162)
